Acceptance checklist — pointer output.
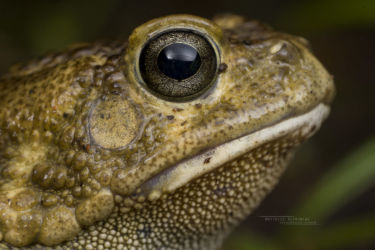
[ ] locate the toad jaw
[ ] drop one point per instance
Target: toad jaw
(178, 175)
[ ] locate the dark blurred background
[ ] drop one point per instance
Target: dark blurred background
(342, 34)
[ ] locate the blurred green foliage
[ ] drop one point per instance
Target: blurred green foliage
(320, 15)
(341, 184)
(47, 25)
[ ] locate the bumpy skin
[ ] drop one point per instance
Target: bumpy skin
(79, 136)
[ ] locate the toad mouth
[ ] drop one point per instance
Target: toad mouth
(178, 175)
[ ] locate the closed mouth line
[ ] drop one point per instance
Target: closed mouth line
(178, 175)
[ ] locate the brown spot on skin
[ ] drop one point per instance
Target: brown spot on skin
(198, 105)
(207, 160)
(177, 109)
(222, 67)
(170, 117)
(247, 42)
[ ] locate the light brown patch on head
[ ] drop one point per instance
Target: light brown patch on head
(113, 122)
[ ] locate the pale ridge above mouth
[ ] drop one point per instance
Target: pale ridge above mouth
(174, 177)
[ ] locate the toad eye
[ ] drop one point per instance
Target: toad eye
(178, 65)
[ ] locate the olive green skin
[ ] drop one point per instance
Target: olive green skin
(80, 133)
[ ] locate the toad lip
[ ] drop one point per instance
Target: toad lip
(178, 175)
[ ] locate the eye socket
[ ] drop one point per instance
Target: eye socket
(178, 65)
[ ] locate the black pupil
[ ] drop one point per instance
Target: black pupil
(179, 61)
